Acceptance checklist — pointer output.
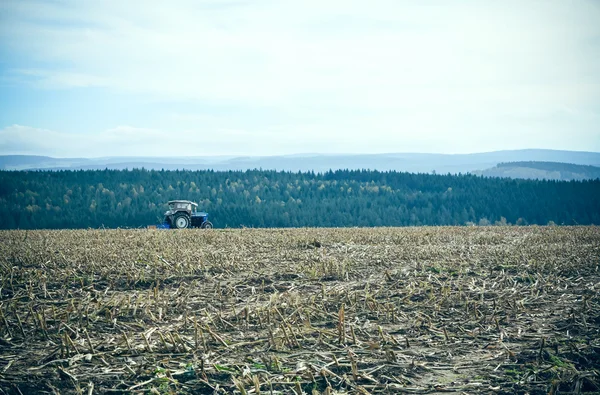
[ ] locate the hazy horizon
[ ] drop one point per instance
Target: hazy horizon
(269, 78)
(299, 154)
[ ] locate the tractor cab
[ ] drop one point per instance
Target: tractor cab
(182, 205)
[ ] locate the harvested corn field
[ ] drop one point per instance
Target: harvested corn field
(386, 310)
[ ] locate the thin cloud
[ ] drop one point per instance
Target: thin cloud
(121, 140)
(46, 79)
(125, 140)
(431, 76)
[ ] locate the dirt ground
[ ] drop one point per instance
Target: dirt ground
(362, 311)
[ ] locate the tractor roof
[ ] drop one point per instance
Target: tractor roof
(183, 201)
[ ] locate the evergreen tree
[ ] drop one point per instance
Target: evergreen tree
(257, 198)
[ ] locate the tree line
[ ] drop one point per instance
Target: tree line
(260, 198)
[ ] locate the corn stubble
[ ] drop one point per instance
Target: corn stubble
(293, 311)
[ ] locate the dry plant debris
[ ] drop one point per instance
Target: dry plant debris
(291, 311)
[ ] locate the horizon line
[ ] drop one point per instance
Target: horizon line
(300, 154)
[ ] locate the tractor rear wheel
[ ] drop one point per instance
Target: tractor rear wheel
(207, 225)
(181, 221)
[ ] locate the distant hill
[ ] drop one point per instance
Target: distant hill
(542, 171)
(408, 162)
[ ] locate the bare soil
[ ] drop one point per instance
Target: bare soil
(385, 310)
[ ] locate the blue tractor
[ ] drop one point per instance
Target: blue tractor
(184, 214)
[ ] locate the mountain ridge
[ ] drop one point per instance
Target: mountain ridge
(542, 170)
(408, 162)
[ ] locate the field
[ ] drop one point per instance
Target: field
(386, 310)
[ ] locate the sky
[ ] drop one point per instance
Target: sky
(83, 78)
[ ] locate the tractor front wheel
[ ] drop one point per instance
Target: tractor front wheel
(181, 221)
(207, 225)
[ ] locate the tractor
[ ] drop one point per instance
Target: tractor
(183, 214)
